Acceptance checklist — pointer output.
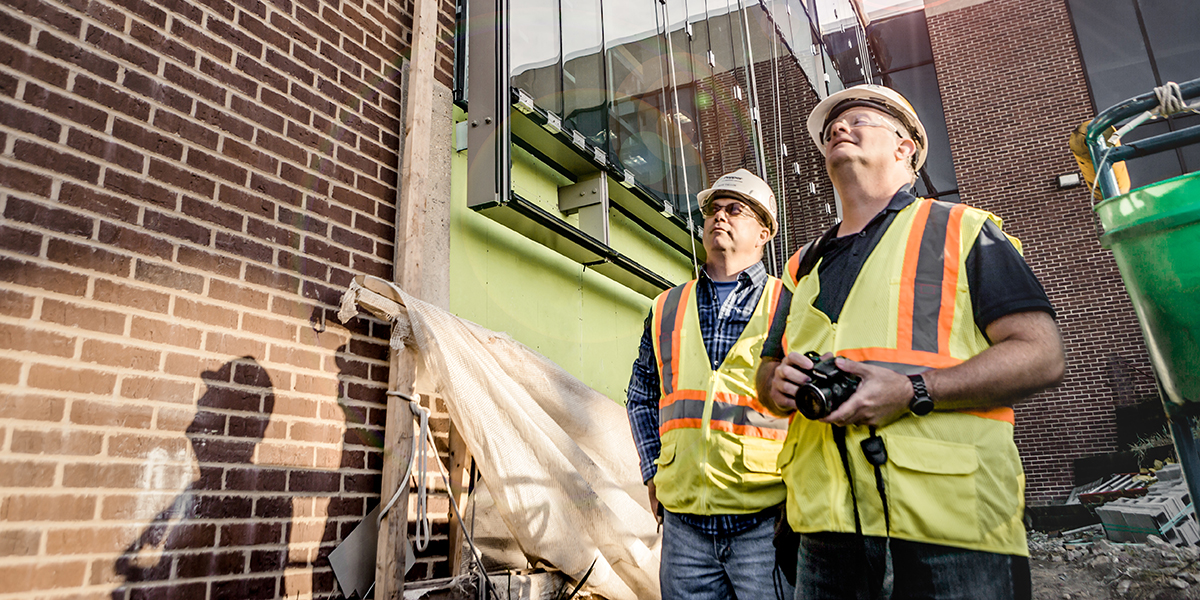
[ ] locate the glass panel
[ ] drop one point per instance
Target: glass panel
(1171, 26)
(802, 37)
(1113, 51)
(1191, 154)
(1156, 167)
(636, 85)
(919, 85)
(900, 42)
(534, 52)
(584, 108)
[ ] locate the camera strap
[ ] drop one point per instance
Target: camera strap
(876, 454)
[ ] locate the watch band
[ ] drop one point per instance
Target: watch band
(921, 404)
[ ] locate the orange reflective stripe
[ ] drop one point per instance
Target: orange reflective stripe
(908, 276)
(748, 430)
(727, 427)
(668, 315)
(669, 399)
(793, 265)
(904, 357)
(1000, 413)
(950, 276)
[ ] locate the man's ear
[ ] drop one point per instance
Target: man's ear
(906, 150)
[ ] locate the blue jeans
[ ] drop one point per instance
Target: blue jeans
(696, 566)
(838, 566)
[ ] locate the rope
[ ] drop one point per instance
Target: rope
(1170, 102)
(420, 451)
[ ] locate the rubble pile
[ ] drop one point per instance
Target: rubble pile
(1087, 565)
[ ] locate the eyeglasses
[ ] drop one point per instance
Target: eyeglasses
(732, 210)
(855, 120)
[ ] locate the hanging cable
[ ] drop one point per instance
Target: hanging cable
(687, 194)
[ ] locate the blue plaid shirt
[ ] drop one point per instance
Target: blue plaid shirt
(720, 326)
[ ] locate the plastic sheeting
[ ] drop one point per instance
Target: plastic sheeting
(558, 457)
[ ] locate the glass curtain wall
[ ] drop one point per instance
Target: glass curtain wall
(901, 48)
(655, 84)
(1129, 47)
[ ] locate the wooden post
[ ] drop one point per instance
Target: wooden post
(460, 481)
(413, 190)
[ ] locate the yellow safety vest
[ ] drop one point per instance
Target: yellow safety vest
(953, 477)
(719, 445)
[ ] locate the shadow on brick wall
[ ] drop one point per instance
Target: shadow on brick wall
(225, 536)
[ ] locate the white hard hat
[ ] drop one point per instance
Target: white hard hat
(750, 189)
(874, 96)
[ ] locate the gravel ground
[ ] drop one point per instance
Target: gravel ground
(1089, 566)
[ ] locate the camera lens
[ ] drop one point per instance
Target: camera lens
(811, 402)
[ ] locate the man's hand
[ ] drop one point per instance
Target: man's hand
(882, 396)
(655, 508)
(778, 382)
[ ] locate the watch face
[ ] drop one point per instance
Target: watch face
(921, 403)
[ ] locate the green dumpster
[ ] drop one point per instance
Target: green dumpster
(1154, 233)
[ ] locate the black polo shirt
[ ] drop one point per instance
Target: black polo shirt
(1000, 281)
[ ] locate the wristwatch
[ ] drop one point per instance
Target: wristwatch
(921, 404)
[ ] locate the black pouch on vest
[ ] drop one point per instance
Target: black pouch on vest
(787, 545)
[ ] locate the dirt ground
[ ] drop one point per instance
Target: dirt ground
(1092, 567)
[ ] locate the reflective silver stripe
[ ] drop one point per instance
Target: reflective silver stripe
(901, 368)
(927, 287)
(666, 349)
(722, 411)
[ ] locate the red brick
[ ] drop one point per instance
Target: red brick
(297, 357)
(139, 298)
(164, 332)
(252, 203)
(66, 164)
(272, 278)
(188, 129)
(119, 355)
(166, 276)
(88, 257)
(28, 339)
(20, 59)
(172, 175)
(56, 219)
(73, 53)
(89, 540)
(105, 150)
(237, 293)
(269, 327)
(94, 201)
(21, 273)
(10, 374)
(206, 313)
(268, 232)
(19, 240)
(43, 575)
(142, 446)
(210, 262)
(197, 38)
(57, 443)
(234, 345)
(65, 107)
(16, 178)
(41, 507)
(139, 188)
(159, 389)
(75, 315)
(243, 246)
(19, 542)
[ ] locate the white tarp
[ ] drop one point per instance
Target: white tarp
(557, 456)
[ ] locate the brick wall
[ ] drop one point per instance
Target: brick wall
(1012, 95)
(185, 189)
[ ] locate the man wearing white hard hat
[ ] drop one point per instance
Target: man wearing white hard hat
(707, 447)
(902, 459)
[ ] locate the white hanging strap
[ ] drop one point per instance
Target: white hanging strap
(419, 452)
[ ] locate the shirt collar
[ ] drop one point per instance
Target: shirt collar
(900, 200)
(755, 274)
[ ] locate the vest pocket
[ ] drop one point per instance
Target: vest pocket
(760, 456)
(931, 489)
(666, 455)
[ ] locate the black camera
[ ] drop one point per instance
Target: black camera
(829, 388)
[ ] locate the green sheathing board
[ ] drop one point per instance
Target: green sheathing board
(584, 321)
